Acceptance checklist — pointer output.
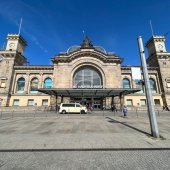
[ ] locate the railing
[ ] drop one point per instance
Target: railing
(51, 112)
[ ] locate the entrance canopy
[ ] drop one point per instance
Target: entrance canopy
(87, 92)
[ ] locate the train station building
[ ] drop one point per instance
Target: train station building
(85, 73)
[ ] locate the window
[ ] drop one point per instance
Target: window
(157, 102)
(140, 85)
(153, 85)
(30, 102)
(20, 85)
(77, 105)
(168, 82)
(3, 83)
(87, 77)
(45, 102)
(34, 85)
(129, 102)
(47, 83)
(126, 83)
(68, 105)
(143, 102)
(16, 102)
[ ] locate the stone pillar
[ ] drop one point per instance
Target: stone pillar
(27, 83)
(41, 81)
(14, 84)
(121, 97)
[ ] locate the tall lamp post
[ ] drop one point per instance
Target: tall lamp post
(150, 104)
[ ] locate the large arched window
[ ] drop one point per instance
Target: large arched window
(153, 85)
(47, 83)
(126, 83)
(34, 85)
(20, 85)
(87, 77)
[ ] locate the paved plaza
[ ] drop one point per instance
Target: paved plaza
(98, 140)
(95, 130)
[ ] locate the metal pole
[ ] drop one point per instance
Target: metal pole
(150, 104)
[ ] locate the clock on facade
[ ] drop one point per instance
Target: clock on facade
(11, 44)
(160, 46)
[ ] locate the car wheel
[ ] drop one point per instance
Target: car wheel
(82, 112)
(63, 112)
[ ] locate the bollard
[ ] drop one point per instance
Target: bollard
(1, 113)
(45, 112)
(34, 113)
(137, 112)
(12, 113)
(158, 113)
(57, 113)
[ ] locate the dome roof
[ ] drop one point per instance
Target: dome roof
(86, 44)
(73, 49)
(100, 49)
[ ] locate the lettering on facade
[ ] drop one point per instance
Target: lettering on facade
(88, 87)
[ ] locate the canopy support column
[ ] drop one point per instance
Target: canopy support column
(121, 97)
(112, 101)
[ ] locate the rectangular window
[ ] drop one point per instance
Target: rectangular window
(3, 83)
(168, 84)
(16, 102)
(143, 102)
(45, 102)
(30, 102)
(157, 102)
(129, 102)
(68, 105)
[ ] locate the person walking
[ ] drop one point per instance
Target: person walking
(113, 108)
(125, 111)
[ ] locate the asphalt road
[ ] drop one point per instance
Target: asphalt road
(90, 160)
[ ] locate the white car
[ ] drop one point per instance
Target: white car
(72, 108)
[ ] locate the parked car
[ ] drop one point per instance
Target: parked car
(72, 108)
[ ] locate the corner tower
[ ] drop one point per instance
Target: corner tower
(15, 42)
(11, 56)
(160, 58)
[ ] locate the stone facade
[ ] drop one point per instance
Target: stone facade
(14, 67)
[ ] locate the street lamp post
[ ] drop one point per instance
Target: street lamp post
(150, 104)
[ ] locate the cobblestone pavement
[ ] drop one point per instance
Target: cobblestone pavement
(90, 160)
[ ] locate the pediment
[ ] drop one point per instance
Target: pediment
(87, 53)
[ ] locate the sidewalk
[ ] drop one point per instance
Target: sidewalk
(82, 132)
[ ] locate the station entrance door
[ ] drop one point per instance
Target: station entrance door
(96, 103)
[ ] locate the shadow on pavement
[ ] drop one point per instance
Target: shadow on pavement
(111, 120)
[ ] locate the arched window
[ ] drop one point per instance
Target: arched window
(153, 85)
(47, 83)
(20, 85)
(87, 77)
(34, 85)
(126, 83)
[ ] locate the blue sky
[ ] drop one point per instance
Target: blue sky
(52, 26)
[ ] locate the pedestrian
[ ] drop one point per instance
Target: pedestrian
(113, 108)
(125, 111)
